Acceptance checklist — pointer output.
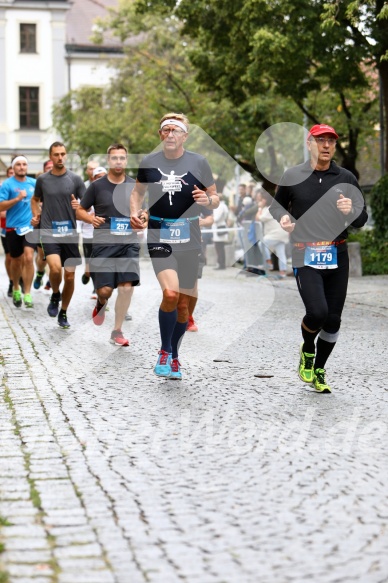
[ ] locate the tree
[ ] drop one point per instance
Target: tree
(155, 76)
(299, 49)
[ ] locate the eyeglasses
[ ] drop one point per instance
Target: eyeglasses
(174, 132)
(322, 141)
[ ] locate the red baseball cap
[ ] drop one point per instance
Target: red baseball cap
(320, 129)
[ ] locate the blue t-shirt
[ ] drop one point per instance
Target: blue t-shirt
(20, 214)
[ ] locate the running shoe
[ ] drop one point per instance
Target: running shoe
(176, 370)
(117, 338)
(128, 317)
(63, 322)
(38, 280)
(306, 366)
(10, 288)
(98, 314)
(17, 298)
(85, 279)
(48, 285)
(28, 301)
(163, 365)
(53, 307)
(319, 382)
(191, 325)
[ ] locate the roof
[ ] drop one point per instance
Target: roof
(80, 20)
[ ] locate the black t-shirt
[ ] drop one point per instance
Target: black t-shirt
(111, 201)
(311, 198)
(170, 190)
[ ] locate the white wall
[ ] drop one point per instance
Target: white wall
(90, 70)
(24, 69)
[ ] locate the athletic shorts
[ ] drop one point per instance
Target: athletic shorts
(16, 244)
(87, 248)
(5, 245)
(185, 263)
(111, 265)
(68, 252)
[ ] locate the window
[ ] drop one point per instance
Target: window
(28, 38)
(29, 107)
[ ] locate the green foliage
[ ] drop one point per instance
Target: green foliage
(374, 252)
(235, 68)
(379, 207)
(318, 54)
(157, 76)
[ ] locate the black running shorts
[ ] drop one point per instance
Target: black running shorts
(114, 264)
(185, 263)
(68, 252)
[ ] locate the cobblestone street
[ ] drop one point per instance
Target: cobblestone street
(236, 474)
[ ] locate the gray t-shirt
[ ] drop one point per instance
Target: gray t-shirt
(58, 216)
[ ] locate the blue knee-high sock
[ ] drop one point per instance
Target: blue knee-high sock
(167, 321)
(177, 336)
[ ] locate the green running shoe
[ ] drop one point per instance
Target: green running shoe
(306, 366)
(17, 298)
(28, 301)
(319, 382)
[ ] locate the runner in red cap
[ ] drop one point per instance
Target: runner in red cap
(316, 201)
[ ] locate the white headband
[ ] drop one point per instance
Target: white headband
(176, 122)
(19, 159)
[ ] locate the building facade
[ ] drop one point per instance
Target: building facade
(45, 51)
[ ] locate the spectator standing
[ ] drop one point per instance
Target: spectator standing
(220, 232)
(274, 238)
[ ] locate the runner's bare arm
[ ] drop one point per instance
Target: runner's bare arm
(208, 198)
(138, 217)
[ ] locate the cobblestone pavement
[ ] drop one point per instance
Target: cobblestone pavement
(237, 474)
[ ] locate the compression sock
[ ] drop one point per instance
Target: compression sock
(309, 338)
(167, 321)
(179, 330)
(325, 345)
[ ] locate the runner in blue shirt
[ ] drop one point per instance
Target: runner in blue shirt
(15, 196)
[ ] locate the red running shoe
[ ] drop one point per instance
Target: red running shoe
(191, 325)
(117, 338)
(99, 314)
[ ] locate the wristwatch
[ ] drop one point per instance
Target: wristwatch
(209, 199)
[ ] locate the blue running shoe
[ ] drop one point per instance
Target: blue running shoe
(63, 322)
(176, 370)
(38, 279)
(162, 367)
(53, 307)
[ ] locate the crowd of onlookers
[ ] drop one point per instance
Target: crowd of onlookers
(249, 213)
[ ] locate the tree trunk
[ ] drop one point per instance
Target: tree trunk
(384, 88)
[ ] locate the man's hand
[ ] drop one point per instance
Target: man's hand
(139, 221)
(97, 221)
(22, 194)
(344, 204)
(285, 223)
(74, 202)
(35, 220)
(200, 196)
